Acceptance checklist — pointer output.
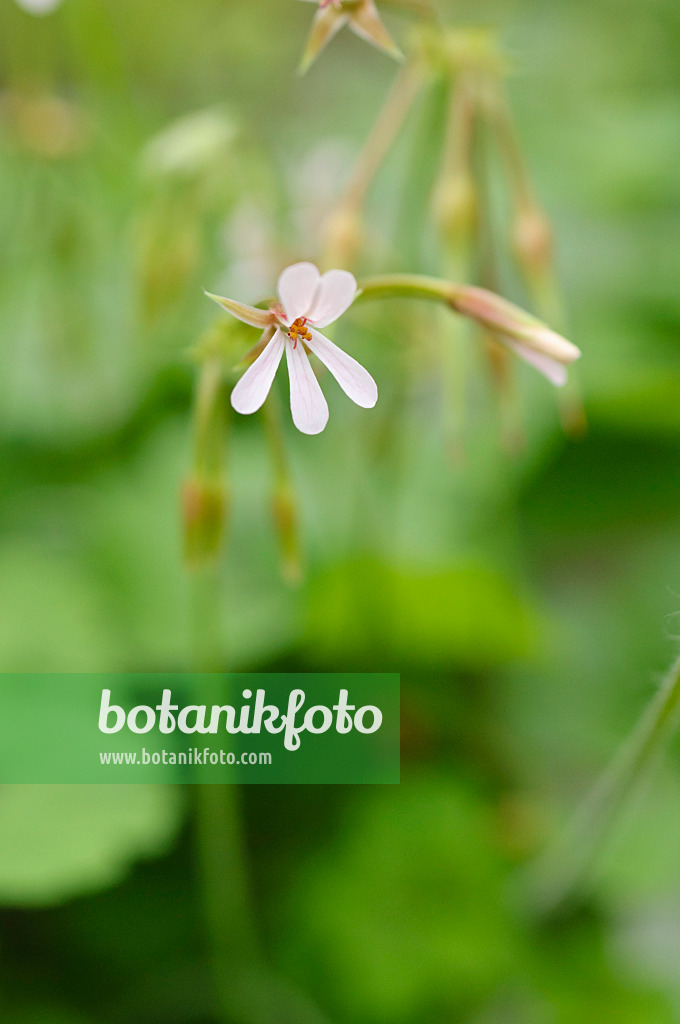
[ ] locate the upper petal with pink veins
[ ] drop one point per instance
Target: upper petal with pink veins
(297, 287)
(335, 293)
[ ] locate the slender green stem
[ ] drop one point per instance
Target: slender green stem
(499, 359)
(455, 212)
(245, 990)
(224, 892)
(209, 432)
(284, 505)
(500, 117)
(563, 869)
(226, 903)
(408, 286)
(220, 846)
(492, 312)
(533, 244)
(384, 132)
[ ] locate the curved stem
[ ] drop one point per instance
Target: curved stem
(562, 869)
(491, 311)
(408, 286)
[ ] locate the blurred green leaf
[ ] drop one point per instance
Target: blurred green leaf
(406, 911)
(469, 615)
(57, 842)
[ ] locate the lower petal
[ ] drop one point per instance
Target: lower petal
(550, 368)
(354, 380)
(254, 386)
(307, 403)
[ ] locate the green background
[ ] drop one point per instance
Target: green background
(530, 604)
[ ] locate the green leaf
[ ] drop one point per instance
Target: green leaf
(57, 842)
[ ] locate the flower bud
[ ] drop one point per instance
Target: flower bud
(284, 511)
(532, 241)
(204, 507)
(454, 207)
(343, 236)
(511, 322)
(48, 126)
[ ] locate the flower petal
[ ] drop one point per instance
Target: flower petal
(550, 368)
(296, 287)
(326, 22)
(354, 380)
(307, 403)
(365, 22)
(253, 387)
(334, 294)
(248, 314)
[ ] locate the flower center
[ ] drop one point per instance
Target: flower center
(299, 329)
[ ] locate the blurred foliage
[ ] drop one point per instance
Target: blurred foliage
(530, 602)
(63, 839)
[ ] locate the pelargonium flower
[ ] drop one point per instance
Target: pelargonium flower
(308, 300)
(361, 16)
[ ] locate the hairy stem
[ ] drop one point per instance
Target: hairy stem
(563, 869)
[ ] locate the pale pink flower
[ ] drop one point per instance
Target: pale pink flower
(308, 300)
(528, 338)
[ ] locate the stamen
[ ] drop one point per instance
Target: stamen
(299, 328)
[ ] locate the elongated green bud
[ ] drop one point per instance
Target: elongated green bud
(204, 494)
(454, 208)
(284, 510)
(204, 511)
